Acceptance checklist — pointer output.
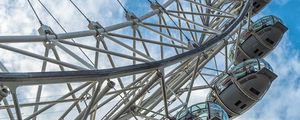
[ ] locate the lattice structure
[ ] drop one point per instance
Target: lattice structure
(148, 67)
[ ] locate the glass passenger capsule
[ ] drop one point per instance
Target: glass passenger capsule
(243, 86)
(259, 40)
(203, 111)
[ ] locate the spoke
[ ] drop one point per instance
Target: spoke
(10, 114)
(162, 34)
(39, 90)
(16, 104)
(188, 35)
(163, 88)
(128, 47)
(95, 99)
(61, 98)
(144, 45)
(168, 30)
(143, 90)
(192, 81)
(147, 40)
(76, 102)
(74, 55)
(185, 29)
(209, 7)
(104, 51)
(204, 14)
(40, 57)
(195, 23)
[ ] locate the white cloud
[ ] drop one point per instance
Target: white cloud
(282, 100)
(281, 2)
(17, 18)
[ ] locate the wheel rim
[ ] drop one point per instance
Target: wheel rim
(139, 65)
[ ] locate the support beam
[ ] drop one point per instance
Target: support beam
(84, 114)
(16, 103)
(163, 88)
(136, 97)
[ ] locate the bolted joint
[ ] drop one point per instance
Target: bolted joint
(111, 84)
(4, 91)
(204, 55)
(155, 6)
(192, 45)
(159, 74)
(130, 16)
(49, 44)
(226, 42)
(133, 108)
(46, 30)
(86, 97)
(96, 26)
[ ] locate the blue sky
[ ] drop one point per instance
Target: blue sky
(282, 102)
(288, 11)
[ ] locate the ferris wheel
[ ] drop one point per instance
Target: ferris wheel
(151, 66)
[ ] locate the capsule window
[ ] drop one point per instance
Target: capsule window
(260, 53)
(256, 51)
(243, 106)
(270, 41)
(253, 90)
(237, 103)
(257, 6)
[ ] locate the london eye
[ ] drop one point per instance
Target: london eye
(152, 65)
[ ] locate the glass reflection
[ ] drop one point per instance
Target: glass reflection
(203, 111)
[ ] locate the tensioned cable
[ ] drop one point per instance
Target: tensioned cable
(80, 11)
(164, 10)
(64, 29)
(122, 6)
(124, 99)
(177, 27)
(83, 14)
(36, 15)
(180, 31)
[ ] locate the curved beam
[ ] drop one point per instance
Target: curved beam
(31, 78)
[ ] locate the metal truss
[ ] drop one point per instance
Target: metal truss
(145, 68)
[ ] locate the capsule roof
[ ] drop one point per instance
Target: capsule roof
(265, 22)
(249, 66)
(203, 111)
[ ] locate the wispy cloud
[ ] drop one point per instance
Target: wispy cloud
(281, 2)
(282, 100)
(16, 18)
